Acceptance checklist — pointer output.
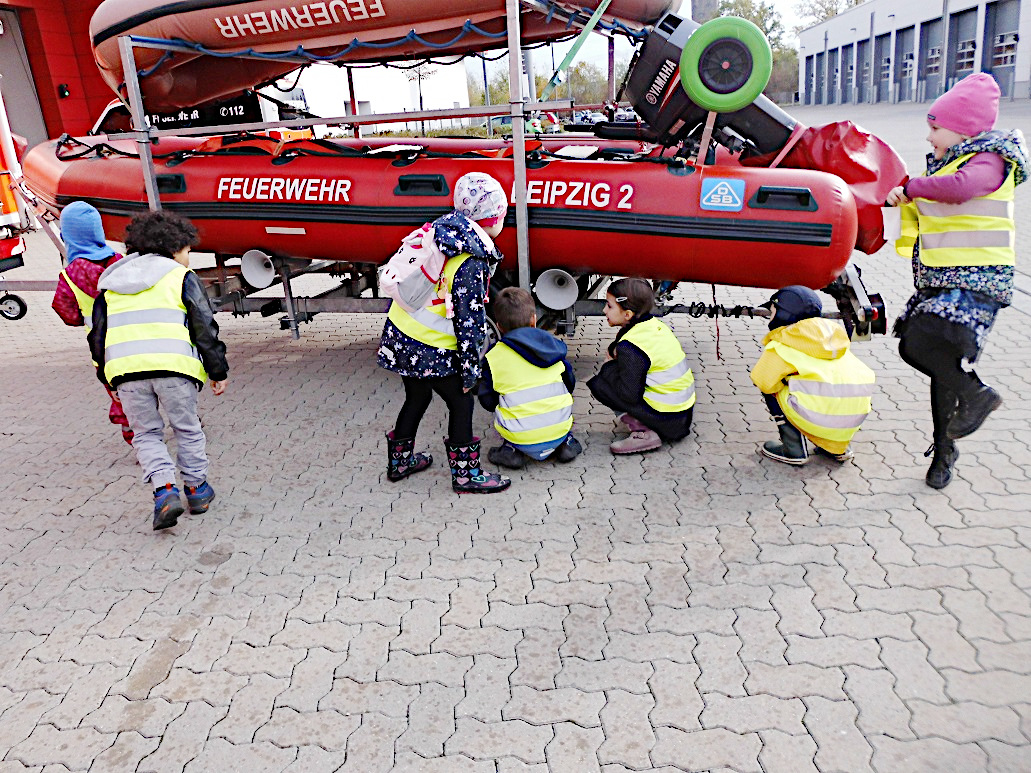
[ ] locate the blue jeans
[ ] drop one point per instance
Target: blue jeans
(177, 395)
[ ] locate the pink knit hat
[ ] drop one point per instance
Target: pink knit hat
(968, 108)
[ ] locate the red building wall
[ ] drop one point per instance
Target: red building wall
(56, 36)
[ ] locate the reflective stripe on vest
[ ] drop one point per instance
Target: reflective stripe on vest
(534, 405)
(669, 384)
(83, 299)
(826, 398)
(978, 232)
(147, 331)
(430, 325)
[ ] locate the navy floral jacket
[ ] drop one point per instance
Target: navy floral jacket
(404, 355)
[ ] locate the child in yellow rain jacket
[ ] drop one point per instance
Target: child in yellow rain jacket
(815, 388)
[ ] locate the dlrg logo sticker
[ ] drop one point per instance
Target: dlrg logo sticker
(723, 195)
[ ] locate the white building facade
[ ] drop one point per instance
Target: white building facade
(914, 50)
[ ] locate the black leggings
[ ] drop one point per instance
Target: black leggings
(419, 393)
(942, 362)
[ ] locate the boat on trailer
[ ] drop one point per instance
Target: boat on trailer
(744, 196)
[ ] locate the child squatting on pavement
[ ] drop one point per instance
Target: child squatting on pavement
(528, 384)
(815, 388)
(958, 230)
(88, 255)
(647, 379)
(156, 342)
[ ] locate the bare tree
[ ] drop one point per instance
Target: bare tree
(815, 11)
(762, 15)
(420, 73)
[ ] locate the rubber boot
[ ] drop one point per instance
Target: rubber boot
(970, 414)
(841, 458)
(402, 460)
(792, 448)
(467, 476)
(167, 507)
(939, 474)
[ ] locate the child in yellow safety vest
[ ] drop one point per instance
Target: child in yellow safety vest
(88, 255)
(155, 341)
(815, 388)
(528, 384)
(958, 230)
(647, 379)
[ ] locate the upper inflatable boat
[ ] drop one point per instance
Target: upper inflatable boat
(344, 30)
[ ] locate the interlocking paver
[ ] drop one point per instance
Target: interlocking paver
(691, 601)
(934, 755)
(628, 732)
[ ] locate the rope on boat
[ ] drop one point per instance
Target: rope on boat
(572, 17)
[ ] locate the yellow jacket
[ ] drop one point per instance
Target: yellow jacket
(827, 343)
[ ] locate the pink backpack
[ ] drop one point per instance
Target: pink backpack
(413, 275)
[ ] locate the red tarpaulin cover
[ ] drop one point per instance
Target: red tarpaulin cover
(869, 165)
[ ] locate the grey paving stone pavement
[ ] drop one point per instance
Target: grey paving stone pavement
(698, 608)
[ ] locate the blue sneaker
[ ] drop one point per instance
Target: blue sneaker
(167, 507)
(199, 497)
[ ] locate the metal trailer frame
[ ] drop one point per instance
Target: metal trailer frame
(303, 309)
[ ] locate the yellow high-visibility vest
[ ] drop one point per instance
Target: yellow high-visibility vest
(84, 301)
(826, 398)
(978, 232)
(147, 331)
(534, 405)
(669, 385)
(430, 324)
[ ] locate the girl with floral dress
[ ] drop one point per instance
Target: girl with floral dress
(437, 349)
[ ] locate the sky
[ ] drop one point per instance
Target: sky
(595, 49)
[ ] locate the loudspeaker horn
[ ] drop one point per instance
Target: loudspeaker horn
(556, 289)
(257, 269)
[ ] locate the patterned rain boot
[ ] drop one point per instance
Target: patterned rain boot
(402, 460)
(467, 477)
(792, 448)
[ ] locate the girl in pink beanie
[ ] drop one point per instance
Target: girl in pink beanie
(958, 228)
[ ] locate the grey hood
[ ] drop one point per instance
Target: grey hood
(135, 273)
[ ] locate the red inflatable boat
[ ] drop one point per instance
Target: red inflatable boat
(609, 214)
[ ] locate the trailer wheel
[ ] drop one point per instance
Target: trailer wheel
(726, 64)
(12, 307)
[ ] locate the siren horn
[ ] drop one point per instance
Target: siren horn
(257, 269)
(556, 289)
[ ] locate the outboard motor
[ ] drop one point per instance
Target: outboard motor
(657, 94)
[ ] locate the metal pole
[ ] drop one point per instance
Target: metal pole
(612, 71)
(486, 97)
(354, 101)
(139, 122)
(515, 98)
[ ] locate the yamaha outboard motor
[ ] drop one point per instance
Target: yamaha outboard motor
(656, 92)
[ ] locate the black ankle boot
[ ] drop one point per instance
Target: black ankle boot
(792, 448)
(939, 474)
(970, 414)
(402, 460)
